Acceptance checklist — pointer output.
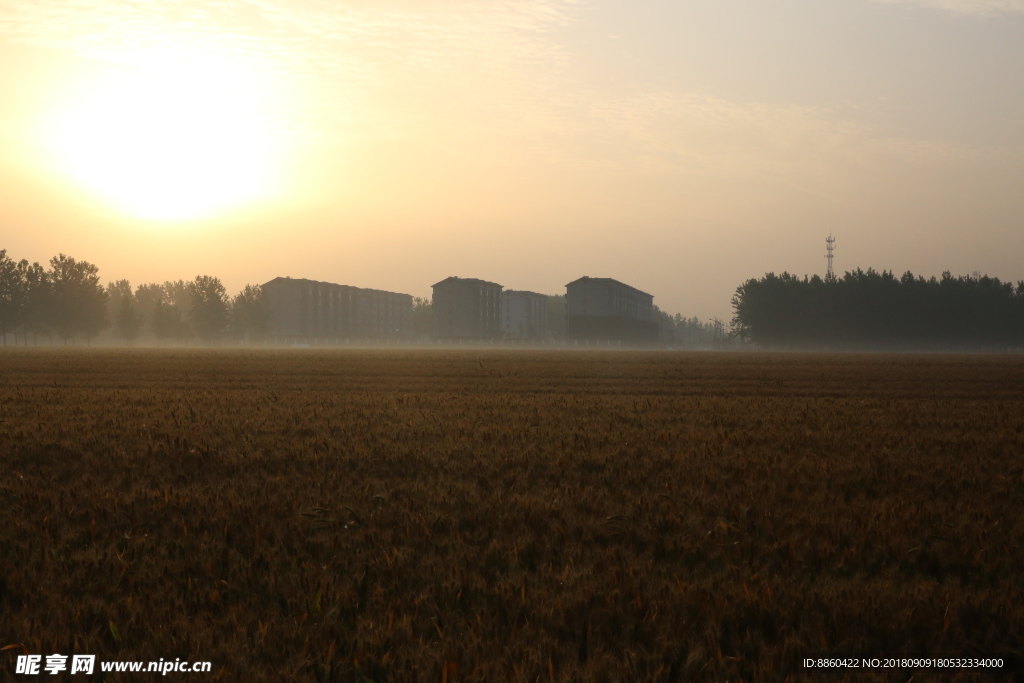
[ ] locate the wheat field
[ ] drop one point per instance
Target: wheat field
(450, 516)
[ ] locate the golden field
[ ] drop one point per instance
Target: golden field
(490, 515)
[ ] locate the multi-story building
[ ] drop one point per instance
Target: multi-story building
(466, 308)
(524, 315)
(603, 309)
(307, 310)
(383, 315)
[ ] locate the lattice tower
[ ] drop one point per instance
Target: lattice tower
(830, 245)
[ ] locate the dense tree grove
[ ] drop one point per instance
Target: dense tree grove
(872, 310)
(67, 302)
(124, 310)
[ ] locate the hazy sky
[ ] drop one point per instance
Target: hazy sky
(681, 147)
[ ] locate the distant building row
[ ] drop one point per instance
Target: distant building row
(463, 309)
(467, 308)
(309, 310)
(597, 308)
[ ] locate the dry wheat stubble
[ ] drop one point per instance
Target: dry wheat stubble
(508, 516)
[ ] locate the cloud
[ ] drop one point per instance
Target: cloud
(315, 36)
(743, 149)
(348, 63)
(971, 7)
(480, 83)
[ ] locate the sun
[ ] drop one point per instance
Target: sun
(168, 138)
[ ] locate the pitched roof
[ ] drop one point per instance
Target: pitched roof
(305, 281)
(466, 280)
(608, 281)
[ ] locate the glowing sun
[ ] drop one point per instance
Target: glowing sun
(171, 140)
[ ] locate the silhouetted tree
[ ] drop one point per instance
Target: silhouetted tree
(691, 333)
(868, 309)
(124, 310)
(178, 293)
(250, 314)
(13, 295)
(556, 316)
(666, 325)
(78, 298)
(208, 313)
(146, 298)
(38, 317)
(422, 316)
(178, 298)
(169, 323)
(128, 320)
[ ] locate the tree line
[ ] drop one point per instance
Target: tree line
(67, 302)
(872, 310)
(689, 333)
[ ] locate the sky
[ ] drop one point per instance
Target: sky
(679, 146)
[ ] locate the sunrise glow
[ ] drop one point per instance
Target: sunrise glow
(169, 139)
(680, 147)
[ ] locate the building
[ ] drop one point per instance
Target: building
(307, 310)
(524, 315)
(466, 308)
(383, 315)
(603, 309)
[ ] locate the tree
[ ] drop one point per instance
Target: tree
(13, 295)
(666, 325)
(80, 302)
(422, 316)
(250, 314)
(877, 310)
(38, 316)
(168, 322)
(124, 310)
(146, 298)
(556, 316)
(209, 308)
(128, 320)
(178, 296)
(178, 293)
(115, 292)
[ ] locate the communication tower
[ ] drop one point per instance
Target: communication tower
(830, 244)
